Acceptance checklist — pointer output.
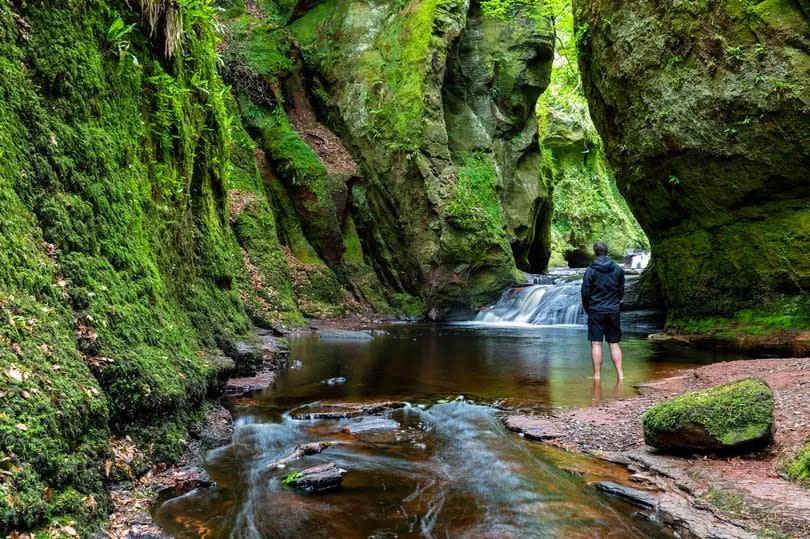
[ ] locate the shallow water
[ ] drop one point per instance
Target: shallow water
(451, 469)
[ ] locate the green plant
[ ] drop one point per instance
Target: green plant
(674, 180)
(292, 478)
(116, 36)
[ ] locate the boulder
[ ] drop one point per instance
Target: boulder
(317, 479)
(730, 416)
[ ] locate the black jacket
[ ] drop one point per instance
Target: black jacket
(603, 286)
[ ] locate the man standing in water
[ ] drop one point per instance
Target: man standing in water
(602, 291)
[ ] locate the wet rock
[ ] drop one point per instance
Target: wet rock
(636, 497)
(296, 364)
(343, 410)
(275, 351)
(237, 387)
(317, 479)
(334, 381)
(179, 481)
(302, 450)
(248, 356)
(733, 415)
(533, 428)
(345, 335)
(371, 424)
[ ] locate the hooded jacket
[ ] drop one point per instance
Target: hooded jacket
(603, 287)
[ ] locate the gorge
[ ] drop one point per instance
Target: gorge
(177, 173)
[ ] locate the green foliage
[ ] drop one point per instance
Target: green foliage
(731, 413)
(798, 467)
(116, 258)
(290, 479)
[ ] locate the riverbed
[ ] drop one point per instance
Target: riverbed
(448, 468)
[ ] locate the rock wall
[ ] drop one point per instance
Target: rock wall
(436, 106)
(704, 108)
(121, 277)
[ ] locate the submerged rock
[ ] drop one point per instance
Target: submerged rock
(733, 415)
(636, 497)
(317, 479)
(345, 335)
(343, 410)
(371, 424)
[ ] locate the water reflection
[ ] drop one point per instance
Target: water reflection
(449, 469)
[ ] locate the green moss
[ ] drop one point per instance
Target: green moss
(732, 413)
(117, 261)
(798, 467)
(475, 206)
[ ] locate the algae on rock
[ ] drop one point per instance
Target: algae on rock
(728, 416)
(451, 172)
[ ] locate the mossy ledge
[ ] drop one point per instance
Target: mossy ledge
(732, 415)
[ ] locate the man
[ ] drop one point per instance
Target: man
(602, 291)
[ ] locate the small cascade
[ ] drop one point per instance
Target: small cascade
(543, 305)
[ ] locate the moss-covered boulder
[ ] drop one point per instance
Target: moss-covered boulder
(733, 415)
(703, 108)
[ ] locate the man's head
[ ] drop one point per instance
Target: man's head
(600, 248)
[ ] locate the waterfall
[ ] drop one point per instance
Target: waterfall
(545, 305)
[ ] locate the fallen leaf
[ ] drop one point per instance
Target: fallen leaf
(22, 426)
(90, 502)
(107, 466)
(26, 395)
(70, 530)
(47, 494)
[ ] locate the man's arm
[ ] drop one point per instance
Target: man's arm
(621, 282)
(586, 290)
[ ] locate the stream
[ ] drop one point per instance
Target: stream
(449, 468)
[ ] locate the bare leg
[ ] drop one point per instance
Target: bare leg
(596, 358)
(596, 390)
(616, 356)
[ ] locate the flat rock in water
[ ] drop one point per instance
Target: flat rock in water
(318, 478)
(371, 424)
(534, 428)
(345, 335)
(179, 481)
(636, 497)
(343, 410)
(339, 381)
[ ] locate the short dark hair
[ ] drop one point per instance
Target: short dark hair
(600, 248)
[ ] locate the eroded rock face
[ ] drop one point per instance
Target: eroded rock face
(704, 109)
(436, 105)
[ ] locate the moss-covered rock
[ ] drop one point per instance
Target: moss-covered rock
(728, 416)
(118, 265)
(703, 110)
(435, 103)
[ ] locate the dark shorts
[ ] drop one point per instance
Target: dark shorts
(607, 326)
